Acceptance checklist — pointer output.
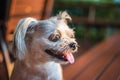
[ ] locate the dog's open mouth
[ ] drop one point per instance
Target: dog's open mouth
(62, 56)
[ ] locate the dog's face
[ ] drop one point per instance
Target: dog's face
(50, 40)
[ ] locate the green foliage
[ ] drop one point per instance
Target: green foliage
(89, 1)
(80, 32)
(109, 31)
(96, 32)
(93, 34)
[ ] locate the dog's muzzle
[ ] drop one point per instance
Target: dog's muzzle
(61, 56)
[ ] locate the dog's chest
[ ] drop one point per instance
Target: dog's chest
(50, 71)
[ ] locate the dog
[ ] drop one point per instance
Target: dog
(40, 47)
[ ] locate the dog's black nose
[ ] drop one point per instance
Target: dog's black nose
(73, 45)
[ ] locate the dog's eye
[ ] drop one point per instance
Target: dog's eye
(57, 37)
(54, 37)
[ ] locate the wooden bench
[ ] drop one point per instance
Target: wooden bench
(101, 62)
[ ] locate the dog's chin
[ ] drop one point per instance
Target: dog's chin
(60, 57)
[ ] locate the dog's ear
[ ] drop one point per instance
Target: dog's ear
(19, 47)
(64, 16)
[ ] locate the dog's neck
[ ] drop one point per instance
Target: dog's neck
(43, 71)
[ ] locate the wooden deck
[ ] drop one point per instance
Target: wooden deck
(101, 62)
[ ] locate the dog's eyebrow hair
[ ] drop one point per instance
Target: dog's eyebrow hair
(69, 33)
(58, 31)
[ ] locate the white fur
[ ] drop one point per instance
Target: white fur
(20, 34)
(33, 63)
(52, 70)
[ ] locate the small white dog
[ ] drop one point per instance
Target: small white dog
(41, 46)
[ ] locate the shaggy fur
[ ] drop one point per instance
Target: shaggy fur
(41, 46)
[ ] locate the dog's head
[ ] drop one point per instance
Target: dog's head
(45, 40)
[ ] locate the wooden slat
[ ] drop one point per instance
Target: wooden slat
(89, 57)
(3, 72)
(1, 57)
(19, 7)
(85, 4)
(118, 78)
(85, 20)
(113, 72)
(48, 9)
(100, 64)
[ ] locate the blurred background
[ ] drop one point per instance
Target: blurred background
(93, 20)
(96, 24)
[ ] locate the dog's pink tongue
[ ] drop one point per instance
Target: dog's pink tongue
(69, 57)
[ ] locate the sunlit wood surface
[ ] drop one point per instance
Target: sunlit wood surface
(101, 62)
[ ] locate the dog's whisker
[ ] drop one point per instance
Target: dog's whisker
(64, 48)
